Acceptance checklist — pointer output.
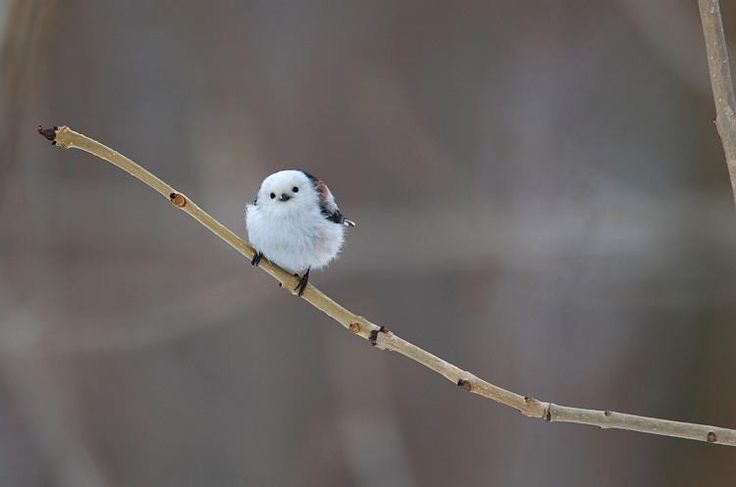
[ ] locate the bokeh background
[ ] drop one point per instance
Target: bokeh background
(541, 198)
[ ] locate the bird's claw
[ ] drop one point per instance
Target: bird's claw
(302, 285)
(256, 259)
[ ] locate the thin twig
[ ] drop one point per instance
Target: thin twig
(721, 82)
(382, 338)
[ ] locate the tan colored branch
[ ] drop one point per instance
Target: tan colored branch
(721, 82)
(384, 339)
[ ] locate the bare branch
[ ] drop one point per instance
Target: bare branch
(721, 82)
(381, 337)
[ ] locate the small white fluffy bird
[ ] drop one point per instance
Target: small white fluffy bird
(296, 223)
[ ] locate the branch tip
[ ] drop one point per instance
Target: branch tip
(48, 133)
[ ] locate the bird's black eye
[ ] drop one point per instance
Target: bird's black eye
(295, 189)
(273, 195)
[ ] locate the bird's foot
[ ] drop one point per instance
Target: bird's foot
(256, 259)
(303, 281)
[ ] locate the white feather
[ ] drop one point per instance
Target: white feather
(294, 234)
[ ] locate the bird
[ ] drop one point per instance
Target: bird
(295, 222)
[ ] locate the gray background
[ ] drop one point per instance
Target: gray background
(541, 198)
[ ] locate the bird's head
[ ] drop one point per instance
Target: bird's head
(288, 191)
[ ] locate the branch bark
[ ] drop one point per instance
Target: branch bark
(382, 338)
(721, 82)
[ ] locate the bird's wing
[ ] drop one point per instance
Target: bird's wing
(327, 203)
(329, 207)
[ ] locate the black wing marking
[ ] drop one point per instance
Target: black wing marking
(327, 203)
(337, 217)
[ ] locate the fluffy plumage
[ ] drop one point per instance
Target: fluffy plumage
(295, 222)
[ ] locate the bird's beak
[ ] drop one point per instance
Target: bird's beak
(284, 197)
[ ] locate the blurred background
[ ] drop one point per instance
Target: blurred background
(541, 198)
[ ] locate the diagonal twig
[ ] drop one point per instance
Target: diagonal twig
(721, 82)
(380, 337)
